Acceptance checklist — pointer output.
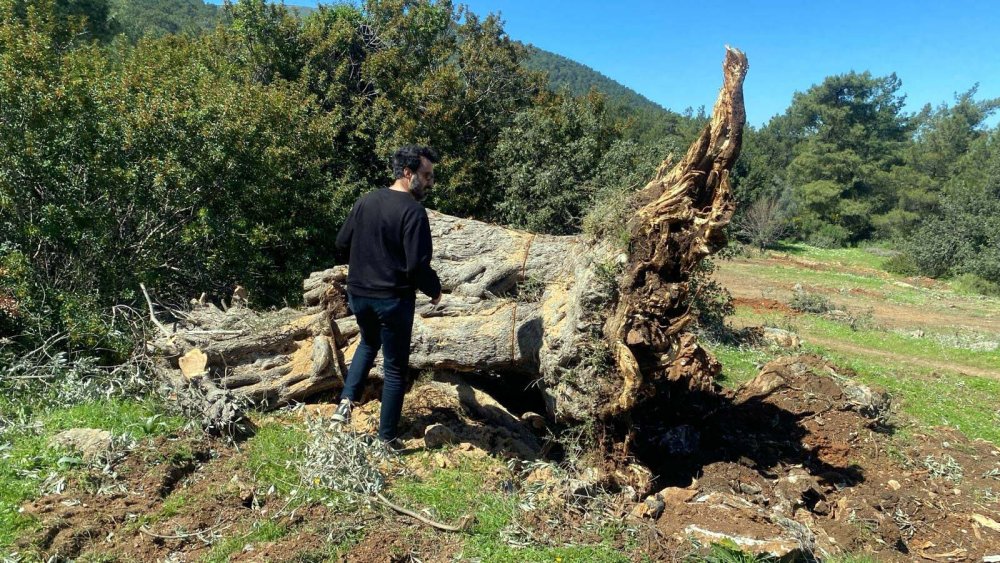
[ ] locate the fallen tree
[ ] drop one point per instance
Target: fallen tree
(598, 329)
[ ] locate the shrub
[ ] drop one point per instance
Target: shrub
(829, 236)
(806, 302)
(902, 264)
(971, 283)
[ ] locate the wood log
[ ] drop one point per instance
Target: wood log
(598, 329)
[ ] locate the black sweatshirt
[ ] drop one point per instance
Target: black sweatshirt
(389, 240)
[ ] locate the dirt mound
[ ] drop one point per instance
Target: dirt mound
(800, 461)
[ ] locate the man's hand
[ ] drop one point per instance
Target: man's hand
(436, 300)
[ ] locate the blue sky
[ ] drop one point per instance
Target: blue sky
(671, 51)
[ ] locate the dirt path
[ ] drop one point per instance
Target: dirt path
(748, 279)
(892, 357)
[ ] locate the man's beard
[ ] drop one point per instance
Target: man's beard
(418, 189)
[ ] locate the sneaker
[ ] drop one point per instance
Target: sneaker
(343, 412)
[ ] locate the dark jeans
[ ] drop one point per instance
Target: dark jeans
(385, 324)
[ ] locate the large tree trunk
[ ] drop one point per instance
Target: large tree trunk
(599, 330)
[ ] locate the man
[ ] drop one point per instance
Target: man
(389, 240)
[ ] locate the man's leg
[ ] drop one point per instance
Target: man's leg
(364, 356)
(397, 326)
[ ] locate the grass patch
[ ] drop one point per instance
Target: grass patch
(739, 363)
(496, 551)
(273, 452)
(262, 531)
(874, 339)
(452, 493)
(27, 460)
(852, 257)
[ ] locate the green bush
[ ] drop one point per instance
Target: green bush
(829, 236)
(971, 283)
(806, 302)
(902, 264)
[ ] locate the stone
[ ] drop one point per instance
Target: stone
(781, 337)
(437, 435)
(775, 547)
(656, 506)
(677, 495)
(894, 484)
(534, 420)
(90, 442)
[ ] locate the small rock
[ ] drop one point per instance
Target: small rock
(821, 508)
(437, 435)
(640, 510)
(781, 337)
(656, 506)
(534, 420)
(90, 442)
(677, 495)
(894, 484)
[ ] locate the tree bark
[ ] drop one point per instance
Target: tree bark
(597, 329)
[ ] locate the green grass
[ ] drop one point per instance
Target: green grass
(452, 493)
(874, 339)
(262, 531)
(272, 454)
(28, 460)
(967, 403)
(739, 363)
(852, 257)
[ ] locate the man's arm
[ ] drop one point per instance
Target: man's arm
(418, 249)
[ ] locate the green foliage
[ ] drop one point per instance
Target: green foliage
(547, 160)
(710, 301)
(645, 121)
(806, 302)
(964, 238)
(156, 18)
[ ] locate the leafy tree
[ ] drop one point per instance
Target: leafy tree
(964, 237)
(548, 159)
(850, 134)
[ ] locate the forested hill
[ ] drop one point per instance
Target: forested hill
(650, 121)
(162, 17)
(646, 121)
(579, 79)
(156, 18)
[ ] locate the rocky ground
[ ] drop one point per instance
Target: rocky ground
(800, 462)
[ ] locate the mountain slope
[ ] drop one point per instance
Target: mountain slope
(649, 122)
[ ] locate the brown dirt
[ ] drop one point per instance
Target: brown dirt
(764, 305)
(950, 313)
(794, 458)
(791, 459)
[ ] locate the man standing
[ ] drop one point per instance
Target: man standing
(389, 240)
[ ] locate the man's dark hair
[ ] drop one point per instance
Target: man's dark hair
(409, 157)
